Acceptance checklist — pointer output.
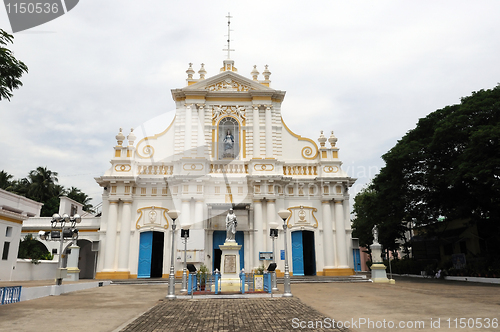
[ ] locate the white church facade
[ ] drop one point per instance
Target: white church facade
(227, 147)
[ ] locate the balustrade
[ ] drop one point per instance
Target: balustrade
(155, 169)
(298, 170)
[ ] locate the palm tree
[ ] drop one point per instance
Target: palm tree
(79, 196)
(42, 184)
(5, 180)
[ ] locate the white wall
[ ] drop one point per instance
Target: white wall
(25, 270)
(12, 237)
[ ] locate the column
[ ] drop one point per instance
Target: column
(269, 132)
(198, 212)
(201, 129)
(256, 132)
(187, 129)
(258, 239)
(72, 263)
(271, 217)
(185, 218)
(340, 235)
(328, 235)
(109, 253)
(124, 245)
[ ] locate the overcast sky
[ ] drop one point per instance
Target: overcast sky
(366, 69)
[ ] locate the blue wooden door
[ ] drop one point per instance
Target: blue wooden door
(220, 236)
(357, 260)
(297, 254)
(145, 253)
(240, 239)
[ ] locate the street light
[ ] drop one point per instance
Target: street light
(284, 214)
(171, 278)
(60, 222)
(185, 236)
(273, 233)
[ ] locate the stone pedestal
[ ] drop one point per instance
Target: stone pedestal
(72, 264)
(378, 268)
(230, 267)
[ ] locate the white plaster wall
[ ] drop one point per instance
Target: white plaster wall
(25, 270)
(8, 266)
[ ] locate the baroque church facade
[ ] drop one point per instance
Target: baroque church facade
(227, 147)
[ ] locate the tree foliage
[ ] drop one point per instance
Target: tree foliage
(41, 185)
(447, 166)
(11, 69)
(33, 249)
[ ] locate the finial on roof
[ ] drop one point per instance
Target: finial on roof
(333, 140)
(120, 137)
(202, 72)
(131, 137)
(255, 73)
(322, 139)
(266, 73)
(190, 71)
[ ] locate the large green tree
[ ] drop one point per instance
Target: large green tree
(42, 186)
(11, 69)
(448, 166)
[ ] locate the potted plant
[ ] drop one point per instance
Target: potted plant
(202, 276)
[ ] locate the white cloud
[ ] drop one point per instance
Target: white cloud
(366, 69)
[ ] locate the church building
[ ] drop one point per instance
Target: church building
(227, 147)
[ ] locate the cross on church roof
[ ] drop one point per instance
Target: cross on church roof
(228, 49)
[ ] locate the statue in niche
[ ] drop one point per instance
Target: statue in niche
(231, 224)
(228, 144)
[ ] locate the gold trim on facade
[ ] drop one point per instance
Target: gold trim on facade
(151, 138)
(165, 210)
(300, 138)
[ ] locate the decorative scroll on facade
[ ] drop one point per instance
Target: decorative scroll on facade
(238, 111)
(302, 216)
(228, 85)
(152, 216)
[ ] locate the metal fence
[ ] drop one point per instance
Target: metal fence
(10, 294)
(211, 283)
(251, 282)
(204, 283)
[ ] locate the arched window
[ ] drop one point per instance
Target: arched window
(229, 138)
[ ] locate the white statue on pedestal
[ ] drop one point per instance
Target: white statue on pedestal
(375, 234)
(231, 224)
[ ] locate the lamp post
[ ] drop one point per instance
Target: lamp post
(284, 214)
(60, 222)
(185, 235)
(273, 233)
(171, 278)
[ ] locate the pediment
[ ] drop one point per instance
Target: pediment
(227, 82)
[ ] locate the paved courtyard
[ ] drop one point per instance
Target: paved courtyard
(423, 305)
(238, 315)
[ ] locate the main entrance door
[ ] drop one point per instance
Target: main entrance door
(150, 255)
(303, 253)
(219, 238)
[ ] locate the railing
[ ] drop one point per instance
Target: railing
(300, 170)
(204, 284)
(267, 282)
(10, 294)
(228, 168)
(155, 170)
(247, 283)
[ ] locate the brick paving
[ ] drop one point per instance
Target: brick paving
(231, 315)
